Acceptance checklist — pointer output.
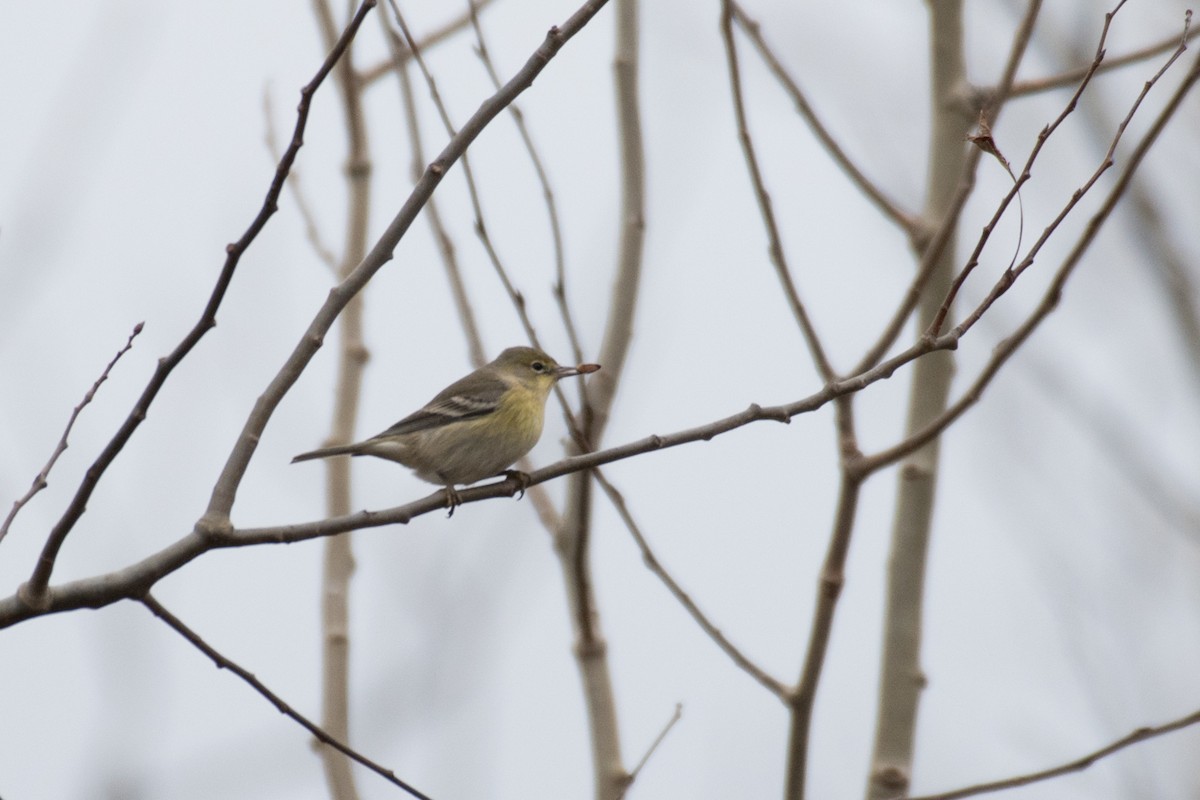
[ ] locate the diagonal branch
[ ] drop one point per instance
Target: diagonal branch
(560, 280)
(652, 563)
(1010, 275)
(637, 769)
(39, 482)
(1072, 77)
(436, 36)
(932, 243)
(34, 590)
(1078, 765)
(1053, 293)
(882, 202)
(284, 708)
(767, 211)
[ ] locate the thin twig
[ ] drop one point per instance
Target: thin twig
(1010, 274)
(885, 204)
(652, 563)
(1078, 765)
(458, 289)
(560, 280)
(472, 189)
(434, 37)
(34, 590)
(633, 774)
(1071, 77)
(829, 588)
(158, 610)
(932, 244)
(312, 231)
(40, 482)
(765, 208)
(1053, 293)
(1016, 54)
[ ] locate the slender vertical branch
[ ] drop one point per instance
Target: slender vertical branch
(338, 561)
(829, 588)
(572, 541)
(560, 278)
(774, 240)
(458, 290)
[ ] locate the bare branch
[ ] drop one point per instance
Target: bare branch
(136, 579)
(40, 482)
(158, 610)
(434, 37)
(458, 290)
(652, 563)
(1009, 277)
(572, 539)
(311, 230)
(833, 578)
(1016, 54)
(34, 590)
(1053, 293)
(1072, 77)
(518, 300)
(1078, 765)
(560, 279)
(950, 118)
(678, 715)
(775, 242)
(932, 243)
(882, 202)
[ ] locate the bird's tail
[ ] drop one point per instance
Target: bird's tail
(326, 452)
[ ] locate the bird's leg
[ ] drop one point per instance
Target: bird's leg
(522, 478)
(453, 501)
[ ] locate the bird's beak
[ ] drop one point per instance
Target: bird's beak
(582, 369)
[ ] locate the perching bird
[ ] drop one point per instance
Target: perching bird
(473, 429)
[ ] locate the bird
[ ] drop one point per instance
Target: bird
(473, 429)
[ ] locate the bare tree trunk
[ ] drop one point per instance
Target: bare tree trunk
(338, 565)
(611, 777)
(901, 677)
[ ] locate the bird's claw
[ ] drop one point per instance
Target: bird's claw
(453, 501)
(522, 478)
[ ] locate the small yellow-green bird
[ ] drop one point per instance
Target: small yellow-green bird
(473, 429)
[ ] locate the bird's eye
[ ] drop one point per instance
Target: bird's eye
(538, 366)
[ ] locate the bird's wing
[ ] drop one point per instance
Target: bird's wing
(453, 404)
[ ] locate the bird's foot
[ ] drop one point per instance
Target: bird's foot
(453, 501)
(522, 478)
